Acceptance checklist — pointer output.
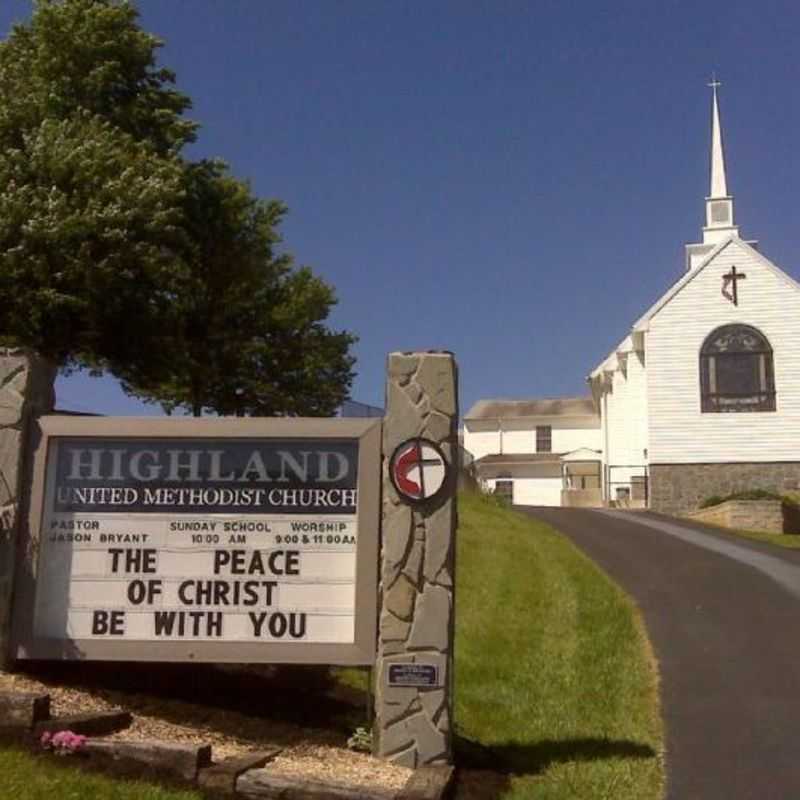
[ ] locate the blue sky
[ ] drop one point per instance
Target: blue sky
(510, 181)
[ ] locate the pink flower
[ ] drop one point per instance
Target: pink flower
(65, 742)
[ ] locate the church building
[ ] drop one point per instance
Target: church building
(700, 398)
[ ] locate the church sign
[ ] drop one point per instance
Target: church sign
(212, 540)
(241, 540)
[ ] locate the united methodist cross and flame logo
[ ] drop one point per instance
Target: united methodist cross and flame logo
(731, 280)
(418, 470)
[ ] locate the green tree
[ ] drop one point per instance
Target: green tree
(116, 254)
(92, 56)
(245, 331)
(90, 183)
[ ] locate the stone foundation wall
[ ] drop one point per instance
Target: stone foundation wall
(412, 724)
(744, 515)
(680, 488)
(26, 391)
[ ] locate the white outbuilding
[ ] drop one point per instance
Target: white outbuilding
(531, 451)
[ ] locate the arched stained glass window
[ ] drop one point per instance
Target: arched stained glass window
(736, 372)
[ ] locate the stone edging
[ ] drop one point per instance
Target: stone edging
(426, 783)
(25, 716)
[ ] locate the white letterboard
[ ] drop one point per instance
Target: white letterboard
(225, 541)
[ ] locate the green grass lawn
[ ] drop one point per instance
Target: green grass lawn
(27, 777)
(555, 681)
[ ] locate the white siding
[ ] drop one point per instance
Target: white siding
(519, 436)
(532, 491)
(679, 432)
(481, 438)
(565, 435)
(521, 440)
(537, 492)
(573, 437)
(626, 421)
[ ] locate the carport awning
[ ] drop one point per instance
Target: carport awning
(581, 454)
(519, 458)
(519, 465)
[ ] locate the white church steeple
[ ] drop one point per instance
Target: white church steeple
(719, 204)
(719, 183)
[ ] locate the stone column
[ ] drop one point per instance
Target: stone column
(26, 391)
(413, 723)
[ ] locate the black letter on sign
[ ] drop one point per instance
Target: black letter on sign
(115, 553)
(136, 592)
(221, 559)
(117, 627)
(99, 623)
(258, 622)
(277, 625)
(297, 625)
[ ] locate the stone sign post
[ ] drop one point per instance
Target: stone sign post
(413, 696)
(26, 391)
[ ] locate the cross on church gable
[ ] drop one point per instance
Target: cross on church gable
(733, 277)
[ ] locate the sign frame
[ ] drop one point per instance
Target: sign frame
(367, 433)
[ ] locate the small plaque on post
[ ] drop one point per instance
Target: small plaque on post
(413, 675)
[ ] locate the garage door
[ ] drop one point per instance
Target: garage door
(537, 491)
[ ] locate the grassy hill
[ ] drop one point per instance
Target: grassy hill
(555, 682)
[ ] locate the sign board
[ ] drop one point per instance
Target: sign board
(251, 540)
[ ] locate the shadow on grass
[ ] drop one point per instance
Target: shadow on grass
(486, 769)
(536, 757)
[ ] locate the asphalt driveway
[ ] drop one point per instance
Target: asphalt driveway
(723, 616)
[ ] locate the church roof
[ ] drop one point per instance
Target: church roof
(541, 407)
(641, 325)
